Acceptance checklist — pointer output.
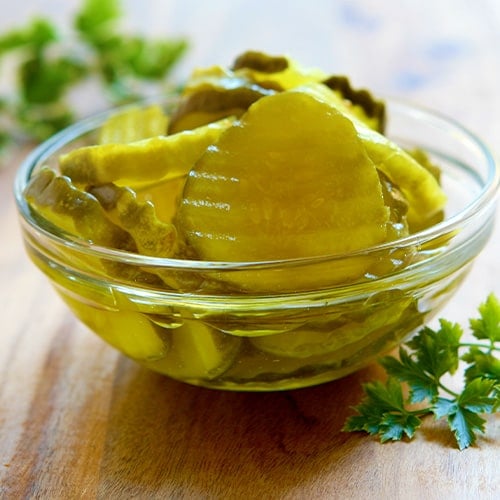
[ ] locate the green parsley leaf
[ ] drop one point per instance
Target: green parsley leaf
(463, 423)
(437, 351)
(382, 412)
(477, 396)
(123, 59)
(43, 120)
(43, 80)
(488, 325)
(463, 412)
(35, 35)
(48, 68)
(444, 407)
(96, 20)
(394, 426)
(388, 397)
(422, 385)
(481, 364)
(153, 58)
(422, 363)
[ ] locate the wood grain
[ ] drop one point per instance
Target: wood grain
(80, 421)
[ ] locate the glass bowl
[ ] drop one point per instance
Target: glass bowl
(297, 325)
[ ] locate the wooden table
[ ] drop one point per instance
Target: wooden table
(78, 420)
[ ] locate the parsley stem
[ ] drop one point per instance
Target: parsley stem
(447, 390)
(422, 412)
(490, 347)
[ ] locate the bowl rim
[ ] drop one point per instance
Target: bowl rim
(486, 197)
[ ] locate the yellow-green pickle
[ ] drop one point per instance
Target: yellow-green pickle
(262, 162)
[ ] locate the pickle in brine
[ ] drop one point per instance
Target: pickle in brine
(198, 351)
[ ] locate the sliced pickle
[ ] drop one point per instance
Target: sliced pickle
(278, 72)
(435, 170)
(344, 336)
(274, 189)
(198, 351)
(214, 92)
(140, 162)
(152, 236)
(363, 105)
(73, 210)
(134, 124)
(130, 332)
(214, 103)
(164, 195)
(258, 61)
(397, 226)
(417, 183)
(425, 197)
(423, 158)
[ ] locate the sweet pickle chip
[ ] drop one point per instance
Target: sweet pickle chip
(80, 214)
(130, 332)
(213, 103)
(71, 210)
(164, 195)
(283, 73)
(258, 61)
(344, 336)
(140, 162)
(425, 197)
(134, 124)
(436, 217)
(369, 110)
(423, 158)
(198, 351)
(290, 180)
(277, 72)
(394, 199)
(75, 211)
(419, 185)
(152, 236)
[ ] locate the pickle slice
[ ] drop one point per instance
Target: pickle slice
(290, 180)
(134, 124)
(140, 162)
(276, 72)
(152, 236)
(394, 199)
(76, 212)
(73, 210)
(258, 61)
(164, 195)
(198, 351)
(363, 105)
(419, 185)
(206, 105)
(425, 197)
(214, 92)
(130, 332)
(342, 337)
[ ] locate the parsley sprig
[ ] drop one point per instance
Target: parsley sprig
(416, 384)
(49, 65)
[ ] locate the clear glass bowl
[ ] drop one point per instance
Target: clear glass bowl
(203, 329)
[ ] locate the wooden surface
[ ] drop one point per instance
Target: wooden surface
(78, 420)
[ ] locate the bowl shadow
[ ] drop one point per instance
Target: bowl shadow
(174, 440)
